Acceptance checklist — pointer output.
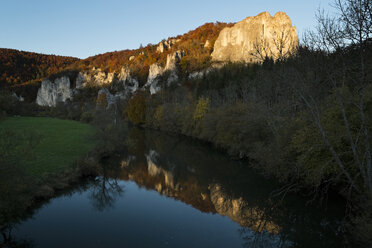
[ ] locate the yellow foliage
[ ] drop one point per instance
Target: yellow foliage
(201, 109)
(136, 109)
(158, 116)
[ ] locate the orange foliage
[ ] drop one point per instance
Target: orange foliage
(18, 67)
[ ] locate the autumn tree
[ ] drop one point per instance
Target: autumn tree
(136, 110)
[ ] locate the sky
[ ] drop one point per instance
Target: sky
(83, 28)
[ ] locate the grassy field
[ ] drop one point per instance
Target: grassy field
(56, 143)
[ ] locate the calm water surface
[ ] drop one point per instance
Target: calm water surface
(170, 191)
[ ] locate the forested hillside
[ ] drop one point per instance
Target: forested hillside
(18, 67)
(197, 55)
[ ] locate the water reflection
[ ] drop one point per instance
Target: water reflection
(105, 189)
(8, 240)
(212, 183)
(194, 174)
(104, 192)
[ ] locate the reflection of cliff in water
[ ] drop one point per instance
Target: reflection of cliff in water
(210, 182)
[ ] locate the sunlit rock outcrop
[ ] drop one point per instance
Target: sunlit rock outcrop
(152, 81)
(166, 45)
(156, 70)
(207, 44)
(130, 84)
(97, 77)
(50, 93)
(94, 77)
(254, 38)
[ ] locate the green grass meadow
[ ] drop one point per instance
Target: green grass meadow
(57, 143)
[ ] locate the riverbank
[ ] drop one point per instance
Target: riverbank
(39, 157)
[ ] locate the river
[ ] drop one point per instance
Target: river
(171, 191)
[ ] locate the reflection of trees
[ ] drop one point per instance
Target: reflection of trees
(213, 183)
(104, 193)
(8, 240)
(261, 239)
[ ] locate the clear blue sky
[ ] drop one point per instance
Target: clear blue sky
(83, 28)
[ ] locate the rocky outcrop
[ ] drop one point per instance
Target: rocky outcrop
(50, 93)
(82, 79)
(173, 59)
(97, 77)
(254, 38)
(124, 74)
(200, 74)
(207, 44)
(156, 70)
(60, 90)
(166, 45)
(130, 84)
(94, 77)
(19, 98)
(111, 99)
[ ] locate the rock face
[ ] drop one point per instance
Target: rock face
(152, 81)
(157, 70)
(95, 76)
(207, 44)
(130, 84)
(254, 38)
(60, 90)
(166, 45)
(50, 93)
(110, 98)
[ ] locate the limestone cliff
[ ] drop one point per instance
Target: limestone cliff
(94, 77)
(130, 84)
(50, 93)
(255, 38)
(157, 70)
(111, 99)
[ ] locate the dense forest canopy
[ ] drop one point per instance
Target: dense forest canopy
(17, 67)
